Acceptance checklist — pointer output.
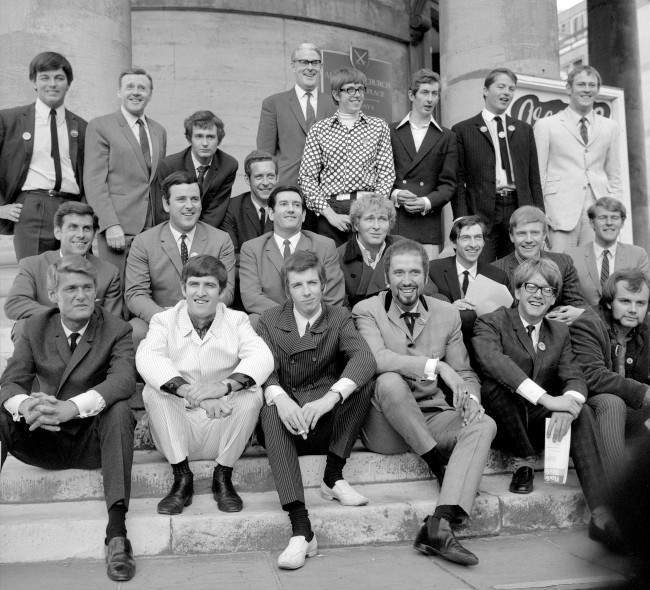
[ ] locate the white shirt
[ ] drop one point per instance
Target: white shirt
(132, 122)
(491, 124)
(293, 242)
(574, 119)
(188, 240)
(598, 252)
(40, 174)
(460, 271)
(197, 164)
(302, 99)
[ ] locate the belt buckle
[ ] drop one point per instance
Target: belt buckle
(52, 193)
(343, 197)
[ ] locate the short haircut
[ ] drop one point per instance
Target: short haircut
(72, 263)
(285, 188)
(466, 221)
(307, 46)
(406, 246)
(492, 76)
(579, 69)
(423, 76)
(609, 204)
(177, 177)
(134, 72)
(74, 208)
(258, 156)
(346, 76)
(372, 202)
(48, 61)
(205, 265)
(204, 120)
(634, 278)
(300, 261)
(544, 266)
(528, 214)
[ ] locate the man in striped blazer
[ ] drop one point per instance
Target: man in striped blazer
(316, 397)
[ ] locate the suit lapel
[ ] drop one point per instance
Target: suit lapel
(273, 253)
(394, 314)
(294, 105)
(199, 243)
(288, 338)
(29, 123)
(483, 130)
(590, 263)
(510, 127)
(128, 134)
(543, 345)
(431, 139)
(83, 348)
(73, 138)
(405, 137)
(522, 334)
(572, 129)
(251, 214)
(451, 278)
(156, 144)
(168, 244)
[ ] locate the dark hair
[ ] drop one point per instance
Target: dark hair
(528, 214)
(74, 208)
(544, 266)
(72, 263)
(285, 188)
(423, 76)
(177, 177)
(258, 156)
(300, 261)
(573, 72)
(47, 61)
(346, 76)
(204, 120)
(406, 246)
(491, 77)
(134, 72)
(466, 221)
(608, 203)
(634, 278)
(205, 265)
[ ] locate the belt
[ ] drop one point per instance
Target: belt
(344, 196)
(54, 194)
(506, 192)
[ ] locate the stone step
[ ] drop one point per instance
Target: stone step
(66, 530)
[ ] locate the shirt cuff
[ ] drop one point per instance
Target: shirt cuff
(430, 369)
(271, 392)
(427, 206)
(172, 385)
(530, 391)
(89, 403)
(244, 380)
(575, 394)
(393, 196)
(13, 403)
(345, 387)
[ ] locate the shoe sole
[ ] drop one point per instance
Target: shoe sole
(519, 491)
(188, 502)
(329, 496)
(428, 550)
(297, 567)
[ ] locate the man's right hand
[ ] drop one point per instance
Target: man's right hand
(561, 403)
(405, 196)
(291, 415)
(115, 237)
(464, 305)
(11, 211)
(337, 220)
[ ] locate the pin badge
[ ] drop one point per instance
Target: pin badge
(483, 129)
(74, 133)
(502, 134)
(27, 136)
(511, 127)
(541, 346)
(629, 360)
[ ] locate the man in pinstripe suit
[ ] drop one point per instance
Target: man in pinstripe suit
(316, 398)
(202, 364)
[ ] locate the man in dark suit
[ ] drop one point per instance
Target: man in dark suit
(316, 397)
(64, 396)
(123, 150)
(74, 226)
(425, 165)
(287, 116)
(37, 174)
(497, 164)
(529, 374)
(247, 215)
(213, 168)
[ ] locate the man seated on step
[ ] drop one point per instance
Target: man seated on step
(316, 397)
(64, 396)
(75, 225)
(415, 339)
(202, 364)
(529, 373)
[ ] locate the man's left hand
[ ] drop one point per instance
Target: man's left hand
(559, 425)
(52, 412)
(199, 392)
(217, 408)
(312, 411)
(416, 205)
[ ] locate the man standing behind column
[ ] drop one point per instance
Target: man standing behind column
(497, 164)
(578, 160)
(122, 154)
(41, 158)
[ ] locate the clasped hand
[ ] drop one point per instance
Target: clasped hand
(300, 421)
(197, 393)
(470, 408)
(41, 410)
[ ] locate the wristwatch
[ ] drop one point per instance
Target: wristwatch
(338, 393)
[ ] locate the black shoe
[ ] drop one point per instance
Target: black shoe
(522, 481)
(610, 536)
(120, 565)
(179, 496)
(435, 537)
(228, 500)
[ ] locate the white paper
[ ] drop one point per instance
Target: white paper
(556, 457)
(487, 295)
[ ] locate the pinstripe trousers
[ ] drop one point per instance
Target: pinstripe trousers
(335, 432)
(179, 432)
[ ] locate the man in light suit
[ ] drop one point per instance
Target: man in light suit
(74, 226)
(594, 261)
(261, 259)
(64, 397)
(578, 160)
(203, 365)
(37, 174)
(286, 117)
(425, 165)
(497, 164)
(214, 169)
(123, 150)
(157, 256)
(414, 338)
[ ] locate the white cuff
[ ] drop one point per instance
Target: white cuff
(13, 403)
(345, 387)
(271, 392)
(530, 391)
(576, 394)
(393, 196)
(427, 206)
(430, 369)
(89, 403)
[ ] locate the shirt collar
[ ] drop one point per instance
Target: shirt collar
(132, 120)
(197, 163)
(365, 253)
(575, 117)
(177, 235)
(488, 116)
(598, 250)
(473, 270)
(415, 308)
(300, 92)
(407, 119)
(362, 117)
(537, 325)
(301, 320)
(67, 331)
(43, 111)
(293, 240)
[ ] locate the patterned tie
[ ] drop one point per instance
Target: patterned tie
(200, 176)
(184, 255)
(287, 249)
(604, 269)
(409, 319)
(262, 219)
(54, 152)
(503, 149)
(310, 114)
(584, 134)
(307, 328)
(144, 144)
(73, 341)
(465, 282)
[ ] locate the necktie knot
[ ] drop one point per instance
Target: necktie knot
(530, 328)
(53, 113)
(73, 340)
(140, 122)
(409, 319)
(287, 249)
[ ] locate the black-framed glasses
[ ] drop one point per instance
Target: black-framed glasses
(352, 90)
(314, 63)
(533, 288)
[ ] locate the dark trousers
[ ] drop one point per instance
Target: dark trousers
(497, 241)
(335, 433)
(105, 441)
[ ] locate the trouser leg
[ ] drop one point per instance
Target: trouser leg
(168, 423)
(610, 414)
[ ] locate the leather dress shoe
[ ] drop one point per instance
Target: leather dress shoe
(435, 537)
(179, 496)
(343, 492)
(610, 536)
(522, 481)
(293, 557)
(227, 498)
(120, 565)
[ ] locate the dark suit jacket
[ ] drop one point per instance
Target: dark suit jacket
(17, 145)
(103, 360)
(307, 367)
(430, 172)
(592, 343)
(476, 164)
(506, 357)
(242, 220)
(217, 184)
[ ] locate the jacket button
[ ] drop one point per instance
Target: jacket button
(421, 183)
(313, 359)
(403, 181)
(353, 275)
(293, 361)
(410, 345)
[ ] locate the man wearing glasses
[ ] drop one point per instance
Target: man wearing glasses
(286, 117)
(346, 156)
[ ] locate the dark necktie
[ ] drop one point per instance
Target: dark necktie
(604, 269)
(503, 149)
(287, 249)
(200, 177)
(409, 319)
(584, 134)
(530, 329)
(73, 341)
(465, 282)
(56, 154)
(310, 114)
(144, 144)
(262, 219)
(184, 255)
(307, 328)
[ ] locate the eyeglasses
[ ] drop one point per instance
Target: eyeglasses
(533, 288)
(352, 90)
(314, 63)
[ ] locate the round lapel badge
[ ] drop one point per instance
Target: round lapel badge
(511, 127)
(27, 136)
(629, 360)
(74, 133)
(502, 134)
(541, 346)
(483, 129)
